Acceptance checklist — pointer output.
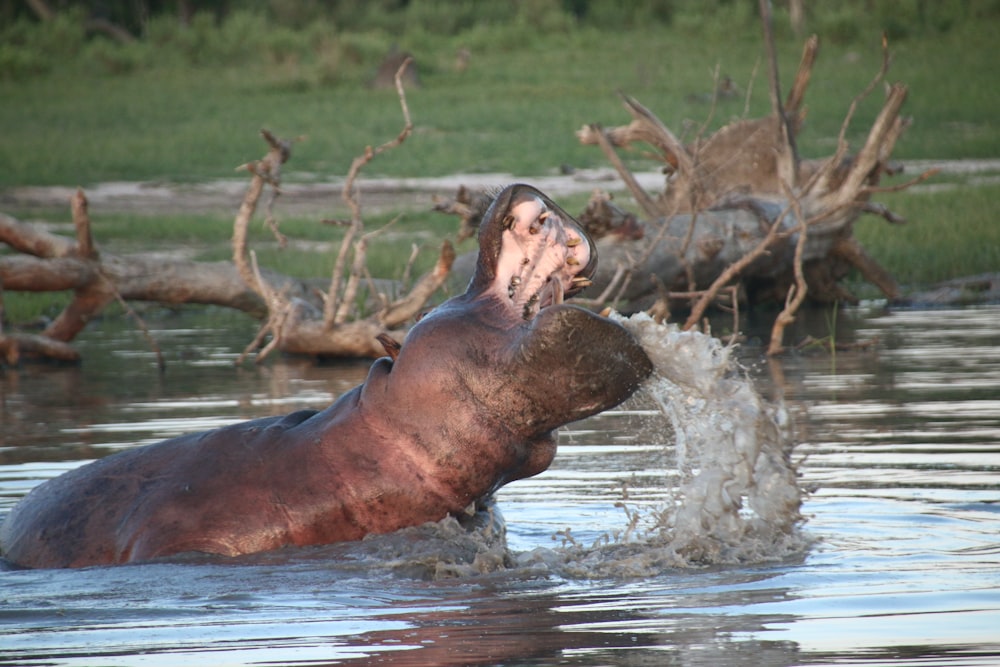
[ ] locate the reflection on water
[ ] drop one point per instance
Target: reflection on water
(899, 446)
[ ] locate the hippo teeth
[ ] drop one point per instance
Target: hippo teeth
(542, 252)
(558, 295)
(528, 311)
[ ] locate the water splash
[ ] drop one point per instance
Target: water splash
(739, 499)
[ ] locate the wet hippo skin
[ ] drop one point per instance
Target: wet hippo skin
(468, 403)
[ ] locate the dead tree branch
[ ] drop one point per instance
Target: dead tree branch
(337, 308)
(797, 292)
(723, 217)
(337, 329)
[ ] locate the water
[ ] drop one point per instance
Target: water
(897, 561)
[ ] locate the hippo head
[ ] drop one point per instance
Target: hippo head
(505, 364)
(562, 362)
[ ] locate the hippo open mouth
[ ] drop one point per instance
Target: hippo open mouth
(532, 253)
(545, 256)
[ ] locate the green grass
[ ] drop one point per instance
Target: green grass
(514, 110)
(949, 233)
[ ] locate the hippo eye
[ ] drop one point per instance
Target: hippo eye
(508, 222)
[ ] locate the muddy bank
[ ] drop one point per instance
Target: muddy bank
(300, 197)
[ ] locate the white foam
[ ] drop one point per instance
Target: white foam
(739, 499)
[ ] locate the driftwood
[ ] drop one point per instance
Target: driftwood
(741, 208)
(49, 263)
(297, 319)
(741, 216)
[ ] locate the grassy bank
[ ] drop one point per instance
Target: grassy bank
(94, 117)
(951, 232)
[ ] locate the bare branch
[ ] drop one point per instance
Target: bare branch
(902, 186)
(266, 171)
(852, 252)
(161, 364)
(797, 94)
(15, 346)
(81, 222)
(334, 305)
(645, 202)
(28, 239)
(750, 85)
(788, 154)
(797, 292)
(698, 310)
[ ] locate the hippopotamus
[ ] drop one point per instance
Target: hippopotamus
(468, 402)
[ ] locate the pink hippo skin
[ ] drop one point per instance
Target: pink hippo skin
(469, 403)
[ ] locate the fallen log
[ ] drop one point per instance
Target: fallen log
(299, 318)
(740, 213)
(714, 225)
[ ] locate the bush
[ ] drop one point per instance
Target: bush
(615, 15)
(28, 48)
(18, 63)
(62, 38)
(117, 59)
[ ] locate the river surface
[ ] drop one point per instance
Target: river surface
(892, 558)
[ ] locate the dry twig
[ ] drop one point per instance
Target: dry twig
(797, 292)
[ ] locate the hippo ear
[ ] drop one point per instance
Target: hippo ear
(589, 363)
